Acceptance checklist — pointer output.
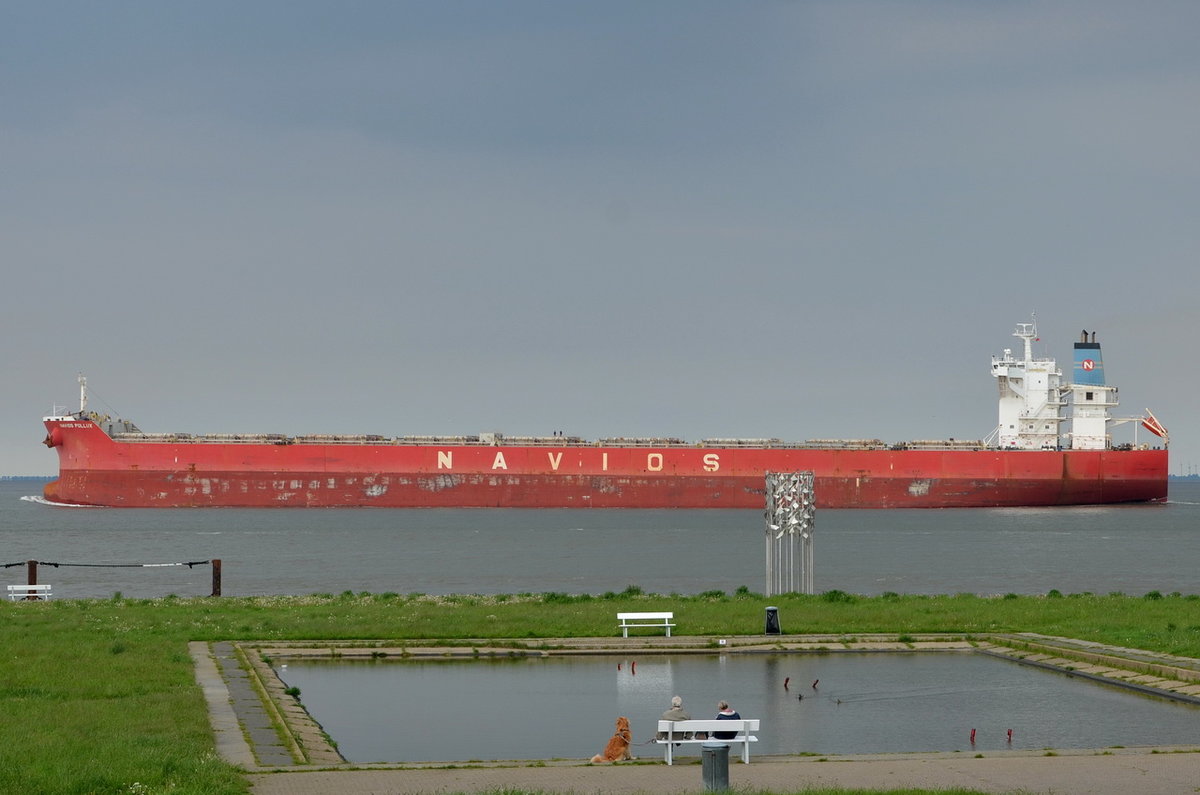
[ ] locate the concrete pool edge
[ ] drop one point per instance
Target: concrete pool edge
(1145, 771)
(310, 747)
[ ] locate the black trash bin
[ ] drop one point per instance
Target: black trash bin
(773, 621)
(714, 766)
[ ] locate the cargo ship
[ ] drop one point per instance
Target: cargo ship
(1052, 446)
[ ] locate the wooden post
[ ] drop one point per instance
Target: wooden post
(216, 567)
(31, 578)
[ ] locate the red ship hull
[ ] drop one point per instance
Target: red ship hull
(95, 469)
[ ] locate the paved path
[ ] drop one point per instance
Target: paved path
(1125, 772)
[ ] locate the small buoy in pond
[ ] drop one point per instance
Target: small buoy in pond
(1010, 735)
(786, 679)
(285, 666)
(815, 683)
(972, 736)
(618, 666)
(633, 667)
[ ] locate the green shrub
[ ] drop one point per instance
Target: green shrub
(836, 596)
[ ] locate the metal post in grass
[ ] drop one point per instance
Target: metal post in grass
(216, 571)
(790, 518)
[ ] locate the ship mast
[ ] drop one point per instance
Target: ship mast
(1028, 333)
(82, 394)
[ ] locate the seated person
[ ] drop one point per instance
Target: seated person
(725, 712)
(677, 712)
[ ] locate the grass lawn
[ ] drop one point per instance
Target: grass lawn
(99, 696)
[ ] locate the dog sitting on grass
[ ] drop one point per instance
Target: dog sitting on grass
(617, 749)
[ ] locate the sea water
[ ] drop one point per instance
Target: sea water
(1132, 549)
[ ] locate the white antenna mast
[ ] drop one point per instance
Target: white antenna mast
(82, 393)
(1028, 333)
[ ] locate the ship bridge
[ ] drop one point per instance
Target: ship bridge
(1031, 400)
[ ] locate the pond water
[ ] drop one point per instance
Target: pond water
(566, 707)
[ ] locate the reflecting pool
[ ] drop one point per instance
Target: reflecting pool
(565, 707)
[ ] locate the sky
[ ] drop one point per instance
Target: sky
(654, 218)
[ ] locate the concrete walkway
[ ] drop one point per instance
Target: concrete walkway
(1123, 772)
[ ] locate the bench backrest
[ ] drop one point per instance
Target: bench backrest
(736, 725)
(636, 616)
(29, 588)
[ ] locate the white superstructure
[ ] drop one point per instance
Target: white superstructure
(1031, 397)
(1034, 399)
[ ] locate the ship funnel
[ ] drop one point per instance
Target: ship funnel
(1089, 364)
(1091, 400)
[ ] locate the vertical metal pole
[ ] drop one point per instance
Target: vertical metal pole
(791, 562)
(781, 564)
(808, 564)
(778, 566)
(770, 568)
(216, 582)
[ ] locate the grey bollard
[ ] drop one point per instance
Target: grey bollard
(714, 766)
(772, 621)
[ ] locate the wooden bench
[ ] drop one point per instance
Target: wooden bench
(644, 620)
(673, 732)
(30, 592)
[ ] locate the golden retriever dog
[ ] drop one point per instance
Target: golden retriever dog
(617, 749)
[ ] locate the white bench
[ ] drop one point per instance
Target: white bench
(672, 732)
(30, 592)
(644, 620)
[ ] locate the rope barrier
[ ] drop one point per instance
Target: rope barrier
(34, 564)
(189, 564)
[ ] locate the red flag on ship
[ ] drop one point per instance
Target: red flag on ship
(1151, 423)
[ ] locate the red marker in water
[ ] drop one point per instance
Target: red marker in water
(972, 736)
(633, 667)
(1010, 735)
